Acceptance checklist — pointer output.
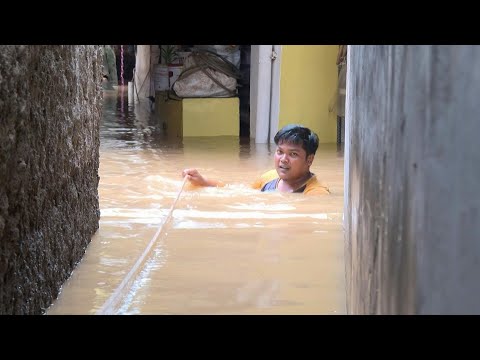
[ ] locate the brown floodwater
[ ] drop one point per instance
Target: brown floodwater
(231, 250)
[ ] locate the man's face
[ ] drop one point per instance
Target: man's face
(291, 161)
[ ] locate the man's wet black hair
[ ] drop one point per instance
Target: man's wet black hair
(298, 134)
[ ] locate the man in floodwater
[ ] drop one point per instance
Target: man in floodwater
(296, 147)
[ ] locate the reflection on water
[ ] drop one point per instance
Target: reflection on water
(231, 250)
(126, 126)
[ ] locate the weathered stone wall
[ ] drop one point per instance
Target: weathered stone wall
(50, 108)
(412, 175)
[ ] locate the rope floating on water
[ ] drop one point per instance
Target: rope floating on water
(109, 305)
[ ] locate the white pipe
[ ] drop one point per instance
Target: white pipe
(142, 73)
(261, 92)
(130, 93)
(275, 92)
(253, 89)
(347, 140)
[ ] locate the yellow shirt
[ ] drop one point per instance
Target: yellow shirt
(313, 186)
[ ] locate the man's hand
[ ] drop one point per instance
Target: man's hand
(194, 177)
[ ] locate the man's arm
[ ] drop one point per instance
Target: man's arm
(197, 179)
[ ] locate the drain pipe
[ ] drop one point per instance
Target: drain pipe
(142, 74)
(274, 92)
(265, 94)
(261, 92)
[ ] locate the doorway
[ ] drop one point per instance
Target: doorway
(244, 90)
(125, 62)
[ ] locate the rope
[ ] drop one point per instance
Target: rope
(108, 306)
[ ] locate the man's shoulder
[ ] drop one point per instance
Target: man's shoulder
(315, 187)
(269, 175)
(264, 178)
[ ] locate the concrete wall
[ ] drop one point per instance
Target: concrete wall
(412, 172)
(110, 64)
(50, 107)
(308, 82)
